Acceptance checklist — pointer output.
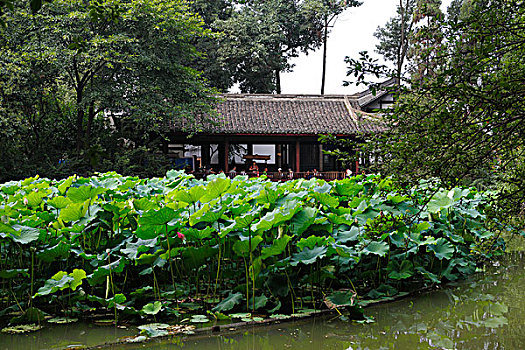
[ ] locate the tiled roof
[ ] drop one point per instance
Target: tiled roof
(293, 114)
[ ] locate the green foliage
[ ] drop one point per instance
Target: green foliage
(93, 86)
(241, 245)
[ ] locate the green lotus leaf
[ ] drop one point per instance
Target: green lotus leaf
(260, 302)
(400, 272)
(326, 199)
(242, 248)
(348, 188)
(34, 199)
(311, 242)
(309, 256)
(154, 329)
(7, 274)
(190, 196)
(342, 298)
(144, 204)
(22, 328)
(277, 216)
(193, 234)
(228, 303)
(132, 250)
(442, 249)
(24, 234)
(74, 211)
(58, 251)
(194, 257)
(216, 188)
(440, 201)
(152, 308)
(278, 246)
(147, 232)
(62, 280)
(205, 214)
(377, 248)
(84, 193)
(62, 320)
(199, 319)
(99, 275)
(158, 217)
(303, 220)
(349, 235)
(59, 202)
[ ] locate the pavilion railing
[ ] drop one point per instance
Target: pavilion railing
(284, 176)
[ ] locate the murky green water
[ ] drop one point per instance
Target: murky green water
(485, 312)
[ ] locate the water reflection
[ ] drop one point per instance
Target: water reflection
(484, 312)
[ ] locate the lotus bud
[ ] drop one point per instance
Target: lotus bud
(26, 201)
(181, 236)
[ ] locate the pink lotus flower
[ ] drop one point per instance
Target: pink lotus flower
(181, 236)
(26, 201)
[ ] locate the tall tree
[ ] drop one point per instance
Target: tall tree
(325, 13)
(425, 41)
(394, 36)
(260, 37)
(465, 121)
(81, 64)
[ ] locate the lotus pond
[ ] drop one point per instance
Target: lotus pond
(483, 312)
(187, 252)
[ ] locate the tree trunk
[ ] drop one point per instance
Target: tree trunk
(91, 117)
(80, 125)
(325, 37)
(277, 81)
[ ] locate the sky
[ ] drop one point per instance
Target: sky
(352, 33)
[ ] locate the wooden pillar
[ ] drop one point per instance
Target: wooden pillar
(278, 156)
(226, 156)
(205, 155)
(297, 156)
(220, 154)
(321, 162)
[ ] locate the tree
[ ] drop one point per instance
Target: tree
(425, 41)
(394, 36)
(258, 40)
(465, 123)
(116, 67)
(325, 12)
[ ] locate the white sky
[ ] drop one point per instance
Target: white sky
(352, 33)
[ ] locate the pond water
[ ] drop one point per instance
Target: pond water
(485, 312)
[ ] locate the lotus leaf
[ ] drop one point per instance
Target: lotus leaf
(199, 319)
(377, 248)
(157, 217)
(242, 248)
(341, 298)
(228, 303)
(62, 320)
(62, 280)
(442, 249)
(401, 271)
(278, 246)
(22, 328)
(303, 220)
(84, 193)
(309, 256)
(215, 188)
(74, 211)
(152, 308)
(59, 202)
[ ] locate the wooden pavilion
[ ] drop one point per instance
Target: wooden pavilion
(275, 131)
